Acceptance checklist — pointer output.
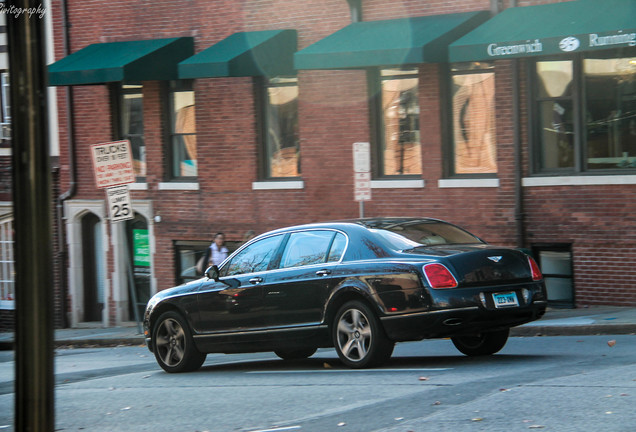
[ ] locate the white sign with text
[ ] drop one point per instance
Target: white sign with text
(119, 203)
(112, 164)
(362, 171)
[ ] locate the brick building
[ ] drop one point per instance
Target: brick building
(242, 115)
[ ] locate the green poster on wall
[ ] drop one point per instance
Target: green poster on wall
(141, 248)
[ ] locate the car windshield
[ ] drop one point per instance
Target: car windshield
(421, 234)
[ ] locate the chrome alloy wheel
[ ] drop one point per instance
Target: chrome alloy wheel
(170, 342)
(354, 335)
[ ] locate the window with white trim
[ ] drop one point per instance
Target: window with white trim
(7, 270)
(585, 113)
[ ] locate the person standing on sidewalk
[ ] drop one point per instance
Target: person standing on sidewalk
(215, 254)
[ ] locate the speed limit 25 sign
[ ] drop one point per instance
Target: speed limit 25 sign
(119, 205)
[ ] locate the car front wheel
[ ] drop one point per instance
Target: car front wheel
(481, 343)
(359, 338)
(173, 344)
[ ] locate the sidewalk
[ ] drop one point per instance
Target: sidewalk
(594, 320)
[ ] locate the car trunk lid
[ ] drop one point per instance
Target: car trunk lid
(478, 265)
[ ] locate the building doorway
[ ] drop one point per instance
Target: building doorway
(138, 266)
(93, 268)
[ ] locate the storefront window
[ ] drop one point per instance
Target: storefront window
(556, 113)
(474, 131)
(586, 114)
(610, 110)
(183, 138)
(400, 147)
(131, 124)
(282, 145)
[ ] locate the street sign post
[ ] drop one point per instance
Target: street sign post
(362, 173)
(119, 203)
(113, 169)
(112, 164)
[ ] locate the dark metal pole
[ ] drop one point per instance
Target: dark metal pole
(34, 382)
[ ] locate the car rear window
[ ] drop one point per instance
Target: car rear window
(409, 236)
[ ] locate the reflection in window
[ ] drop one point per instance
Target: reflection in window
(254, 258)
(282, 148)
(586, 111)
(555, 113)
(306, 248)
(337, 248)
(610, 110)
(183, 138)
(474, 131)
(400, 111)
(131, 124)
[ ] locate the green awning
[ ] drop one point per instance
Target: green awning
(256, 53)
(141, 60)
(582, 25)
(389, 43)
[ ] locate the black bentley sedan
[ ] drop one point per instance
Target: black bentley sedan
(359, 286)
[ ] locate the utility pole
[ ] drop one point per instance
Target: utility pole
(34, 379)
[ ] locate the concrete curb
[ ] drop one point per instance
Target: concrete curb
(574, 330)
(84, 343)
(522, 331)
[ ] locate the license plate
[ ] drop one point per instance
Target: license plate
(503, 300)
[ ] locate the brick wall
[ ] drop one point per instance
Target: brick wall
(333, 112)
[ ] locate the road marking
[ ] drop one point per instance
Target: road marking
(277, 429)
(348, 371)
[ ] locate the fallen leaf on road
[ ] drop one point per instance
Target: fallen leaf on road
(437, 403)
(326, 365)
(611, 343)
(477, 419)
(423, 378)
(504, 390)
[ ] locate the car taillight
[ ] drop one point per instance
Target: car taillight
(439, 276)
(534, 268)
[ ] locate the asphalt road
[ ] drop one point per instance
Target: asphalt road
(577, 383)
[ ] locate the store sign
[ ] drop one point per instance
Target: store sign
(362, 171)
(119, 203)
(530, 47)
(141, 248)
(112, 164)
(572, 43)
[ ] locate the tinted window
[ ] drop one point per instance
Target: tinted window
(254, 258)
(337, 248)
(408, 236)
(306, 248)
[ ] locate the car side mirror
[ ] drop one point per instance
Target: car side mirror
(212, 272)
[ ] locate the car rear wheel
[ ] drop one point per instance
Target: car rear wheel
(173, 344)
(359, 338)
(295, 354)
(481, 343)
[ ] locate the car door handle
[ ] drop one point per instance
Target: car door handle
(256, 280)
(323, 272)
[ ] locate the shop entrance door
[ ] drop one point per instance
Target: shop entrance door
(93, 268)
(139, 264)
